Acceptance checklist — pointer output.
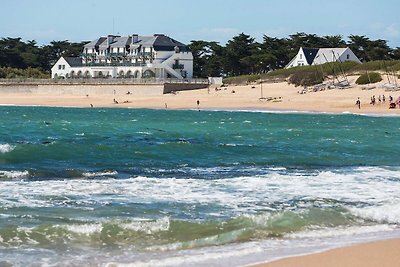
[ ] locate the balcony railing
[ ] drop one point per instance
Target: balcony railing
(178, 66)
(118, 54)
(114, 64)
(85, 55)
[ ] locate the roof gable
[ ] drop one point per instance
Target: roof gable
(310, 54)
(165, 43)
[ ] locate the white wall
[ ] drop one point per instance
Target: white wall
(299, 60)
(61, 68)
(348, 55)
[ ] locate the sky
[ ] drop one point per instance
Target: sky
(209, 20)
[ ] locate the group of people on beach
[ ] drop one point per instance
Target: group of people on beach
(381, 99)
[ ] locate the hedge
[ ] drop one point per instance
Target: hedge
(371, 77)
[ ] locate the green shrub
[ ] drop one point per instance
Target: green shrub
(12, 73)
(371, 77)
(376, 65)
(396, 67)
(305, 78)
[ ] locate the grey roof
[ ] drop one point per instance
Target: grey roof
(146, 40)
(120, 42)
(160, 42)
(96, 42)
(74, 61)
(165, 43)
(310, 54)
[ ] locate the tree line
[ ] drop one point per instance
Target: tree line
(27, 59)
(241, 55)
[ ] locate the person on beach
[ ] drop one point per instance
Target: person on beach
(358, 103)
(198, 104)
(373, 100)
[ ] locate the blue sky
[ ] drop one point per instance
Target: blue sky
(186, 20)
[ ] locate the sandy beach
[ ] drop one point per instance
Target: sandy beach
(381, 253)
(266, 96)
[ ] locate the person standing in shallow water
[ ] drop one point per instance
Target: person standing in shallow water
(358, 103)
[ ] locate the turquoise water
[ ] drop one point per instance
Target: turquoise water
(163, 187)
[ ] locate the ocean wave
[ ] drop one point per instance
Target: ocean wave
(99, 174)
(83, 229)
(14, 174)
(5, 148)
(148, 226)
(389, 213)
(342, 231)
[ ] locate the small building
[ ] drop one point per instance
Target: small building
(157, 56)
(318, 56)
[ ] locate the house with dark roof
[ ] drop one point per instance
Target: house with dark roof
(317, 56)
(134, 56)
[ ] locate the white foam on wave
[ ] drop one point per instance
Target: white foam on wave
(367, 192)
(389, 213)
(202, 257)
(5, 148)
(14, 174)
(96, 174)
(148, 227)
(83, 229)
(342, 231)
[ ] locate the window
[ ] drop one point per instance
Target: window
(301, 56)
(59, 67)
(348, 56)
(63, 67)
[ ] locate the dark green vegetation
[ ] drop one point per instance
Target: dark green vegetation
(14, 73)
(242, 55)
(20, 59)
(369, 77)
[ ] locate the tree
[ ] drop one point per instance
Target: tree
(334, 41)
(207, 58)
(359, 44)
(239, 47)
(275, 53)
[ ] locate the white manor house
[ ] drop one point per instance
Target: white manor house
(157, 56)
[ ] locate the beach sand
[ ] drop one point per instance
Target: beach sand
(376, 254)
(245, 97)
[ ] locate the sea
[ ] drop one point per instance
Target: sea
(141, 187)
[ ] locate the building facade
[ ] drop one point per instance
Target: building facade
(157, 56)
(317, 56)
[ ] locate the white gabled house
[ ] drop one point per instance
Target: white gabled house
(317, 56)
(134, 56)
